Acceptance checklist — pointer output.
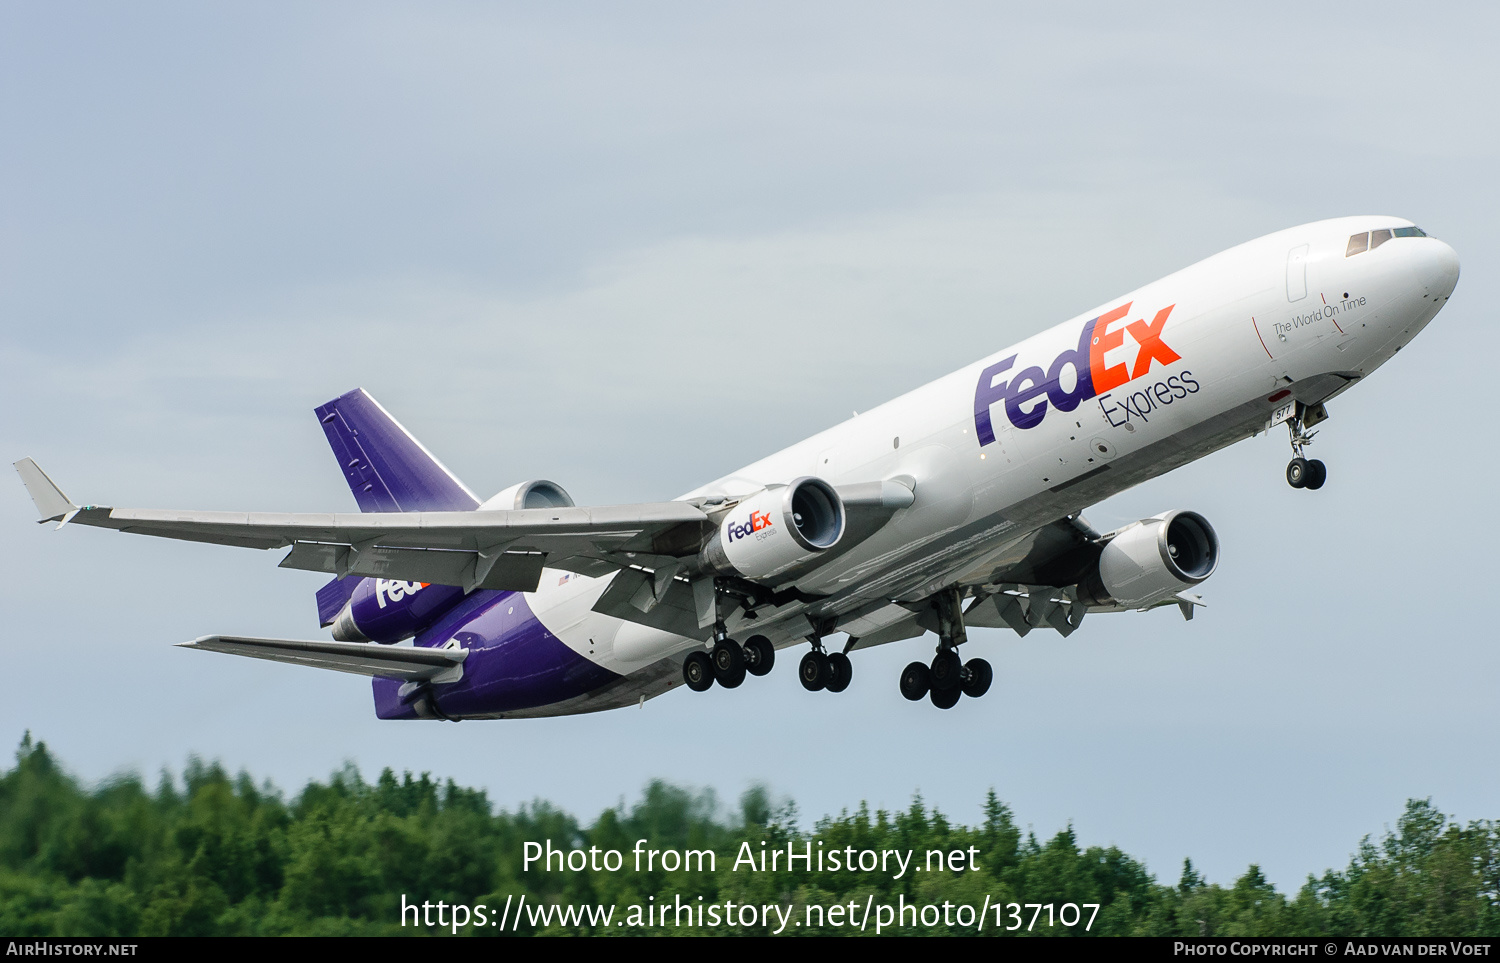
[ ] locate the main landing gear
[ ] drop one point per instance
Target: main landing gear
(728, 662)
(948, 677)
(820, 669)
(1302, 472)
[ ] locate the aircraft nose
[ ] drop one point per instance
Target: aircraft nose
(1437, 266)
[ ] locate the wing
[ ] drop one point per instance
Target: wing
(479, 549)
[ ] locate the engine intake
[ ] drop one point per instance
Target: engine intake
(768, 533)
(1152, 560)
(539, 493)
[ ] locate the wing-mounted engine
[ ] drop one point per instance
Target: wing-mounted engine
(1152, 560)
(776, 530)
(1069, 569)
(758, 544)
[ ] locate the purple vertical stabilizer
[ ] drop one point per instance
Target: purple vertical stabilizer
(387, 469)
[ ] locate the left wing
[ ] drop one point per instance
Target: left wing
(472, 550)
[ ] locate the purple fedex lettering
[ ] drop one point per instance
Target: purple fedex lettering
(1030, 386)
(986, 394)
(1062, 398)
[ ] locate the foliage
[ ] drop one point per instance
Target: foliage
(215, 854)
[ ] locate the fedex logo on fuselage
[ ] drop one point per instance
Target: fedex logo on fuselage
(758, 522)
(1028, 393)
(394, 590)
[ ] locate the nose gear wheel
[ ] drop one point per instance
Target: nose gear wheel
(1301, 471)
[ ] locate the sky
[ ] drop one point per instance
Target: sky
(631, 249)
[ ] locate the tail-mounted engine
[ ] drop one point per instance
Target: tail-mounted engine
(769, 533)
(1152, 560)
(539, 493)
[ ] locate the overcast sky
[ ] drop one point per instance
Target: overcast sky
(633, 248)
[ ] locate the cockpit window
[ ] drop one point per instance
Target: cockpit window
(1360, 243)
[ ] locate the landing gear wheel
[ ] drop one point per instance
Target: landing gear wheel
(1317, 474)
(814, 671)
(947, 669)
(840, 671)
(1297, 472)
(916, 679)
(760, 655)
(698, 671)
(946, 698)
(977, 678)
(729, 663)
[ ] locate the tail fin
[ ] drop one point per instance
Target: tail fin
(387, 469)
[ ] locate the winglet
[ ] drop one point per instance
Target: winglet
(53, 505)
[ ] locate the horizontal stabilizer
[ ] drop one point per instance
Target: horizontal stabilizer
(50, 502)
(362, 658)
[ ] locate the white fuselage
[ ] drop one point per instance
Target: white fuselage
(1289, 316)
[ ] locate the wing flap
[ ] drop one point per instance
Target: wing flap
(509, 571)
(630, 596)
(361, 658)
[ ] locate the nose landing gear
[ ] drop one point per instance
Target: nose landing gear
(1302, 472)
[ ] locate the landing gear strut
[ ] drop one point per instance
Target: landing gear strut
(1302, 472)
(948, 677)
(728, 662)
(821, 669)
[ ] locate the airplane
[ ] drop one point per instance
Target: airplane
(957, 505)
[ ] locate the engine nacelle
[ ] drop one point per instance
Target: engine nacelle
(1152, 560)
(538, 493)
(768, 533)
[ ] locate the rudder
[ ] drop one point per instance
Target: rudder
(387, 469)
